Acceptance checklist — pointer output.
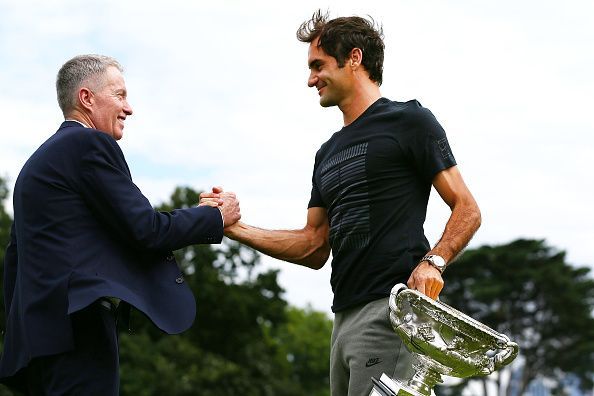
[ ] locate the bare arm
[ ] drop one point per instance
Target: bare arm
(461, 226)
(465, 218)
(308, 246)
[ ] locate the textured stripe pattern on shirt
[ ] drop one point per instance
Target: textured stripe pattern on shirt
(344, 182)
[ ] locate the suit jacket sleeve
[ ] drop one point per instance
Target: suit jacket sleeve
(107, 187)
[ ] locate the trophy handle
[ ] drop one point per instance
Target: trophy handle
(397, 317)
(394, 308)
(504, 357)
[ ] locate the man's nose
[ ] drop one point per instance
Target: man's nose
(128, 108)
(312, 80)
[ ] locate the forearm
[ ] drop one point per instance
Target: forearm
(304, 247)
(460, 228)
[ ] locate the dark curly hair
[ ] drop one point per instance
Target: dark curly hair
(339, 36)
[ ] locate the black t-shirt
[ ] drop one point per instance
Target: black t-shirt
(374, 178)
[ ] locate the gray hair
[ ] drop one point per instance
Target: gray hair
(78, 71)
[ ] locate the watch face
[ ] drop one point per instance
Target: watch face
(438, 261)
(435, 260)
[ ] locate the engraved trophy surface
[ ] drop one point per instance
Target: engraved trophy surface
(444, 341)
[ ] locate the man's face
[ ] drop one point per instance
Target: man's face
(332, 82)
(111, 105)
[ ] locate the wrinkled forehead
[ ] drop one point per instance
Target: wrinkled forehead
(113, 78)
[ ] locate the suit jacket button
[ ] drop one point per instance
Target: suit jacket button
(170, 257)
(179, 280)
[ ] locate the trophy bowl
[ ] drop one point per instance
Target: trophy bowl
(444, 341)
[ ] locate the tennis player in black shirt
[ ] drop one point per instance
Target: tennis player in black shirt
(370, 187)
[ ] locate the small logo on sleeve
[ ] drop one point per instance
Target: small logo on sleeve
(444, 148)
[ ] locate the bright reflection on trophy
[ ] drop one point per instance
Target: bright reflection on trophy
(444, 341)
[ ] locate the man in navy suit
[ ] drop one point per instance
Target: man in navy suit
(84, 237)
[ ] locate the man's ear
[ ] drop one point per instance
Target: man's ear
(86, 98)
(356, 57)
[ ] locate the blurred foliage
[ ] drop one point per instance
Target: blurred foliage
(304, 340)
(5, 223)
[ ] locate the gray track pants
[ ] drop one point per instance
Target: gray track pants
(364, 345)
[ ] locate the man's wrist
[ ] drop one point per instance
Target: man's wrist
(436, 261)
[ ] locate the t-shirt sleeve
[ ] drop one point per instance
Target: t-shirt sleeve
(316, 197)
(430, 148)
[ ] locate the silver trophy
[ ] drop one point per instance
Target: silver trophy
(444, 341)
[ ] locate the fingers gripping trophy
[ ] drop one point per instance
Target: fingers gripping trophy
(444, 341)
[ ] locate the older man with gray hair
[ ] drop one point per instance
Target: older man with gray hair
(86, 245)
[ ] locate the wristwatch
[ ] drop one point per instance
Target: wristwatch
(436, 261)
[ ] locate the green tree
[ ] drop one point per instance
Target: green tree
(5, 223)
(526, 290)
(305, 345)
(5, 219)
(239, 343)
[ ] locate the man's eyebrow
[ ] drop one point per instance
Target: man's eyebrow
(315, 63)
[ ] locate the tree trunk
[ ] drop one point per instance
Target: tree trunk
(510, 382)
(527, 377)
(485, 390)
(498, 383)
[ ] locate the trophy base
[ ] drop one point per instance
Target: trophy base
(387, 386)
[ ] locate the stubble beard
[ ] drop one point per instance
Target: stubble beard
(328, 101)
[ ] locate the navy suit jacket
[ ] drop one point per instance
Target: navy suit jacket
(83, 230)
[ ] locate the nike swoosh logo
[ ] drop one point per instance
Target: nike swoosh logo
(372, 362)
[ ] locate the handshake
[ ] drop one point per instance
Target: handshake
(227, 203)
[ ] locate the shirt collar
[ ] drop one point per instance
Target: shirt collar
(78, 122)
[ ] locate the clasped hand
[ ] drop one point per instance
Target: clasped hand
(227, 203)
